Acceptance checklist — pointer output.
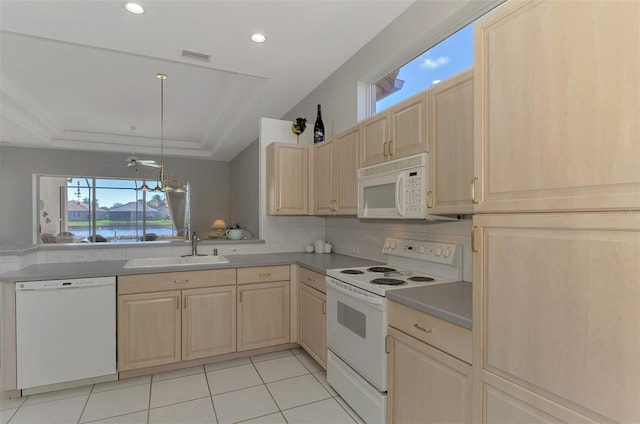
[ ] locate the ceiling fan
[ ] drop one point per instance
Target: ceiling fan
(133, 160)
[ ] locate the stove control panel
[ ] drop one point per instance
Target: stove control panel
(431, 251)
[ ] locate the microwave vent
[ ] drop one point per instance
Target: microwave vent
(395, 165)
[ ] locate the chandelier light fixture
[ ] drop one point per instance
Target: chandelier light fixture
(78, 194)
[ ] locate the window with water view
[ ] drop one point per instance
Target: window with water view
(92, 209)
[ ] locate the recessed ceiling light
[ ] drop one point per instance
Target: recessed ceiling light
(134, 7)
(258, 38)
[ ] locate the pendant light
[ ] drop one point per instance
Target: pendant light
(163, 180)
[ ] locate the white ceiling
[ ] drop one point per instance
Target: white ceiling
(77, 74)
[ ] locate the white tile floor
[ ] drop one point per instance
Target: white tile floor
(280, 387)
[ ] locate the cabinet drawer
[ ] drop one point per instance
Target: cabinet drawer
(263, 274)
(312, 279)
(448, 337)
(145, 283)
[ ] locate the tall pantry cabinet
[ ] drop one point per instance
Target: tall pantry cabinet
(556, 234)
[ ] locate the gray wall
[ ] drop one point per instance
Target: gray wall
(421, 26)
(245, 196)
(209, 181)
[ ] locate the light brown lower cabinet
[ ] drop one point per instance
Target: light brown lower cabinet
(148, 329)
(556, 308)
(208, 322)
(312, 327)
(505, 402)
(263, 315)
(425, 385)
(164, 318)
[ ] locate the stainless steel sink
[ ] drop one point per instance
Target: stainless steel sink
(175, 261)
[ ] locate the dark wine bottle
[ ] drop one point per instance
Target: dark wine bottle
(318, 128)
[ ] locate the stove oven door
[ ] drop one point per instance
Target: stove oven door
(356, 328)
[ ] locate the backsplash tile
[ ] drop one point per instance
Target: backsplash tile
(365, 238)
(348, 235)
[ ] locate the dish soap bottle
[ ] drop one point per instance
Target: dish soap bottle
(318, 128)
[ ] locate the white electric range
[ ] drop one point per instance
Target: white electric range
(357, 316)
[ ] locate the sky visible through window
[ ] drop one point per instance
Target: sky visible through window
(443, 60)
(108, 191)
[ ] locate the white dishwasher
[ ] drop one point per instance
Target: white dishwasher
(65, 330)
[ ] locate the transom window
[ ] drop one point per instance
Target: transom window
(452, 55)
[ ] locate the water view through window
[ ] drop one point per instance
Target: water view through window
(91, 209)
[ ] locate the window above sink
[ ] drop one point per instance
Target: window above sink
(95, 209)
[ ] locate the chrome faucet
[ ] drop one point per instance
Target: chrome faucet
(194, 245)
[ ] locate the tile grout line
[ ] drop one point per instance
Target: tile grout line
(14, 414)
(149, 401)
(266, 387)
(206, 378)
(330, 396)
(86, 402)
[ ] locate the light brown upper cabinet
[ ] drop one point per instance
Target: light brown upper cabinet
(557, 101)
(335, 174)
(397, 132)
(287, 179)
(450, 105)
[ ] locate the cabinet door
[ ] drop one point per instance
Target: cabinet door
(408, 127)
(425, 384)
(324, 177)
(287, 179)
(556, 123)
(451, 145)
(507, 403)
(557, 307)
(208, 322)
(375, 137)
(346, 172)
(263, 315)
(312, 325)
(148, 329)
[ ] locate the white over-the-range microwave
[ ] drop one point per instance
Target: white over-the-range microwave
(396, 190)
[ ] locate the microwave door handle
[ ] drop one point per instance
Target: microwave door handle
(400, 200)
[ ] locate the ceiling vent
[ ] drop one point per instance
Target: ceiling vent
(196, 56)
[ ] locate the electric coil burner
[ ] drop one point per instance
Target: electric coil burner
(388, 281)
(380, 269)
(351, 271)
(420, 279)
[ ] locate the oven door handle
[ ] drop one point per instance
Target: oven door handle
(374, 300)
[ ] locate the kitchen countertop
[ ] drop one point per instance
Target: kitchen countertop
(449, 301)
(316, 262)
